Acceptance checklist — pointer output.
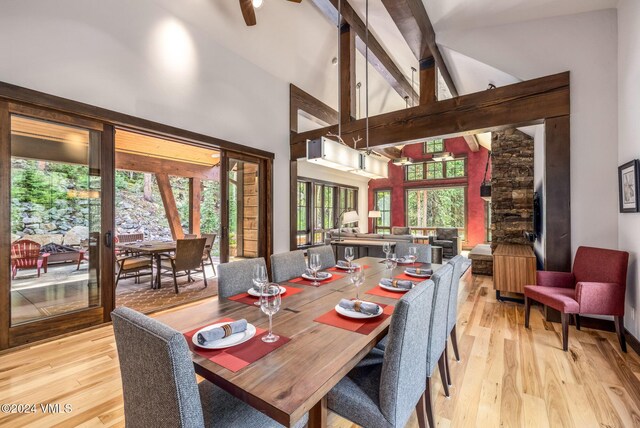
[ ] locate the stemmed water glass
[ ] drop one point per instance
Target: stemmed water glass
(260, 279)
(391, 263)
(386, 248)
(314, 265)
(413, 254)
(349, 256)
(357, 279)
(270, 302)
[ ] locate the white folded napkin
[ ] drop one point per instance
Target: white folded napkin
(221, 332)
(343, 263)
(366, 308)
(397, 283)
(320, 275)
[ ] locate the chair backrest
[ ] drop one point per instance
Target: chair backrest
(129, 237)
(25, 253)
(327, 258)
(189, 253)
(601, 265)
(190, 236)
(236, 277)
(285, 266)
(423, 251)
(404, 369)
(452, 314)
(437, 336)
(445, 233)
(211, 238)
(158, 379)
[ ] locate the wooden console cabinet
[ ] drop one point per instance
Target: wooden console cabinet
(514, 266)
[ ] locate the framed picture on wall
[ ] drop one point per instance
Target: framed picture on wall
(628, 180)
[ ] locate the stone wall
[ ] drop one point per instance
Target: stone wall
(512, 187)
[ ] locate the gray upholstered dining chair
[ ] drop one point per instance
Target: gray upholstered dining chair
(285, 266)
(458, 263)
(187, 258)
(236, 277)
(384, 395)
(159, 381)
(327, 258)
(423, 251)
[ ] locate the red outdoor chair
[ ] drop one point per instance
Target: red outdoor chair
(596, 286)
(25, 254)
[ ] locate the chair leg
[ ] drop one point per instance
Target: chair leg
(446, 364)
(527, 311)
(204, 276)
(454, 343)
(420, 412)
(576, 318)
(619, 322)
(429, 404)
(213, 266)
(565, 331)
(175, 281)
(443, 375)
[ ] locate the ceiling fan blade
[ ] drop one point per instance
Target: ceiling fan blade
(249, 15)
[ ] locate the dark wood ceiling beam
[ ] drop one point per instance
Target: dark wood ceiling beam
(415, 26)
(528, 102)
(428, 81)
(347, 73)
(312, 109)
(378, 57)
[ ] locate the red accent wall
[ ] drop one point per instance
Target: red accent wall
(476, 162)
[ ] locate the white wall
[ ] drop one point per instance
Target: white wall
(319, 172)
(135, 57)
(628, 144)
(538, 184)
(586, 45)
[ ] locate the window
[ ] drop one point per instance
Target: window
(434, 146)
(303, 213)
(382, 200)
(436, 207)
(434, 170)
(487, 220)
(455, 168)
(415, 172)
(318, 205)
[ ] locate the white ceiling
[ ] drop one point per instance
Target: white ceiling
(297, 43)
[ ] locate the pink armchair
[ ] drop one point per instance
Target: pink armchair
(596, 286)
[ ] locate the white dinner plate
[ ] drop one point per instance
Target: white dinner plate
(353, 266)
(354, 314)
(227, 342)
(418, 275)
(397, 290)
(254, 293)
(311, 278)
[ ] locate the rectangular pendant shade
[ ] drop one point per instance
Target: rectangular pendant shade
(332, 154)
(373, 167)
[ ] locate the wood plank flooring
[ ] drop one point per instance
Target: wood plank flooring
(508, 376)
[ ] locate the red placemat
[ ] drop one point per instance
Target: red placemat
(379, 291)
(335, 269)
(248, 299)
(301, 280)
(365, 326)
(410, 278)
(240, 356)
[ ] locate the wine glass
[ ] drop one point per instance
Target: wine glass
(357, 279)
(314, 265)
(413, 254)
(270, 304)
(386, 248)
(391, 264)
(260, 279)
(349, 256)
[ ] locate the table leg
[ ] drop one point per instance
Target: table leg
(318, 414)
(157, 257)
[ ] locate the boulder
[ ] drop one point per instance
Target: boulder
(44, 239)
(76, 235)
(31, 220)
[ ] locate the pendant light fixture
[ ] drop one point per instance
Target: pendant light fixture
(405, 160)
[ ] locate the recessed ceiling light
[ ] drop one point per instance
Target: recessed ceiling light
(257, 4)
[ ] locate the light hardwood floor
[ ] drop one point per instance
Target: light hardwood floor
(508, 376)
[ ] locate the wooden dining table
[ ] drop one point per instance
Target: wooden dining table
(154, 249)
(295, 378)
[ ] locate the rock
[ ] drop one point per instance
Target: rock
(31, 220)
(49, 226)
(76, 235)
(14, 237)
(45, 238)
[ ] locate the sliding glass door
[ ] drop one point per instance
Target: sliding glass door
(52, 252)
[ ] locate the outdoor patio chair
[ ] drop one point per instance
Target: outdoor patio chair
(133, 266)
(208, 247)
(25, 254)
(187, 258)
